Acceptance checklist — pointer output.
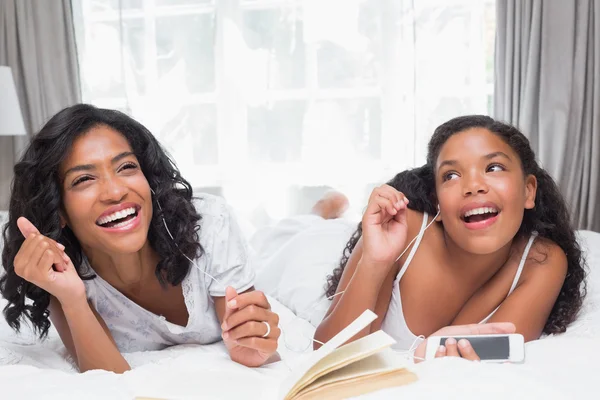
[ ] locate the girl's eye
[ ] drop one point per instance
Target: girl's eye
(495, 168)
(449, 175)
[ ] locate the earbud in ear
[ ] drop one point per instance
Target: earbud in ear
(438, 216)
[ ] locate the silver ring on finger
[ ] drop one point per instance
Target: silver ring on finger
(268, 328)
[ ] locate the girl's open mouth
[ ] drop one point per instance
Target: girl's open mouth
(479, 218)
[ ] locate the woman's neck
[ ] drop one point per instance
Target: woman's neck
(128, 273)
(475, 269)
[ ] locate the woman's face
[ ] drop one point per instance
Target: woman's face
(106, 197)
(482, 191)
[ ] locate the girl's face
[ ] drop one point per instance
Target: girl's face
(481, 190)
(106, 197)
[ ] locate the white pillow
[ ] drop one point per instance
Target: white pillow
(294, 258)
(588, 321)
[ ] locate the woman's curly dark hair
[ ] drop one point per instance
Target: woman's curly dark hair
(549, 217)
(36, 194)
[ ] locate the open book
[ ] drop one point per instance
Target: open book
(338, 371)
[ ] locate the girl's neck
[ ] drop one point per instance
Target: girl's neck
(128, 273)
(475, 269)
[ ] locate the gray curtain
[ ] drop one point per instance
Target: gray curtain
(548, 85)
(37, 41)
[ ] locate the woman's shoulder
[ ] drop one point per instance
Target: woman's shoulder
(218, 217)
(210, 205)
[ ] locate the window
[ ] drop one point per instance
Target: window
(260, 94)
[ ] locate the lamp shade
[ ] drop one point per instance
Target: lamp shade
(11, 119)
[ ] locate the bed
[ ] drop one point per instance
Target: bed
(560, 367)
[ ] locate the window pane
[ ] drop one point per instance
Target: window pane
(275, 133)
(349, 50)
(110, 5)
(276, 52)
(456, 45)
(103, 74)
(342, 131)
(185, 51)
(184, 2)
(324, 132)
(191, 136)
(490, 40)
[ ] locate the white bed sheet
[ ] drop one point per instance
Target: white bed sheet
(556, 367)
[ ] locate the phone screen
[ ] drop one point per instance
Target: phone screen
(488, 348)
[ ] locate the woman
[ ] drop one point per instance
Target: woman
(107, 242)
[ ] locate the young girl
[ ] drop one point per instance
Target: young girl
(492, 242)
(105, 240)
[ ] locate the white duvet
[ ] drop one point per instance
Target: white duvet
(557, 368)
(560, 367)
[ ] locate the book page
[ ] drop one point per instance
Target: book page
(347, 354)
(354, 387)
(313, 358)
(381, 362)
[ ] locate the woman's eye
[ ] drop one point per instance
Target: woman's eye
(81, 180)
(129, 166)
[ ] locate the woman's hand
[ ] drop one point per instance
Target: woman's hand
(43, 262)
(245, 327)
(384, 226)
(463, 348)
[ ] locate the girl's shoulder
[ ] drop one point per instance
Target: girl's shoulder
(416, 219)
(545, 258)
(541, 251)
(432, 237)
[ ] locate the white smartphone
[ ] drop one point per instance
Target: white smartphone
(490, 348)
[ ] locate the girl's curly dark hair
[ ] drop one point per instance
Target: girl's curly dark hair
(549, 217)
(36, 194)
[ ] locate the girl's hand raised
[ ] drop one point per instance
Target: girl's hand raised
(384, 226)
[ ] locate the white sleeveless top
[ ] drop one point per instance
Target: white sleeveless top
(394, 323)
(225, 257)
